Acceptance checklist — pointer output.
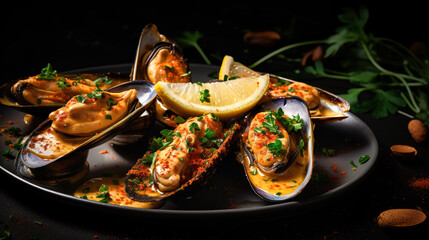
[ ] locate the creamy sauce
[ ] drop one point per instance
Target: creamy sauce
(116, 193)
(49, 144)
(279, 185)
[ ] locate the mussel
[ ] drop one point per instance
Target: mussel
(58, 147)
(324, 106)
(276, 148)
(43, 93)
(186, 156)
(159, 58)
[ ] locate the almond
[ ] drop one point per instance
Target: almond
(403, 151)
(417, 130)
(264, 38)
(400, 218)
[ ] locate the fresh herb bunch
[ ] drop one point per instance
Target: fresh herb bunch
(390, 74)
(385, 75)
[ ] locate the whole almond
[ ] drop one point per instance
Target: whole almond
(400, 218)
(417, 130)
(263, 38)
(403, 151)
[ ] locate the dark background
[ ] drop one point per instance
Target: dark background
(73, 36)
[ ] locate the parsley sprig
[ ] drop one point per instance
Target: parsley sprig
(47, 73)
(385, 70)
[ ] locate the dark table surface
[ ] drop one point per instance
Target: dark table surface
(74, 38)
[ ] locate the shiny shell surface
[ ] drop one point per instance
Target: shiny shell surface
(291, 169)
(40, 97)
(191, 157)
(54, 164)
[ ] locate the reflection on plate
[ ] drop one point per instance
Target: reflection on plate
(228, 192)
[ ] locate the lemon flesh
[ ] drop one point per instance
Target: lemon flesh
(232, 69)
(228, 99)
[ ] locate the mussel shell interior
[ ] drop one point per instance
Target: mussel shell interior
(145, 96)
(131, 180)
(290, 106)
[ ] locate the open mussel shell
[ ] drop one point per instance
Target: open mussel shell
(148, 38)
(12, 97)
(293, 175)
(159, 58)
(332, 107)
(9, 100)
(32, 166)
(133, 181)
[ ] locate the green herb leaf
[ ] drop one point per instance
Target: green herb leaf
(47, 73)
(363, 159)
(62, 83)
(205, 95)
(110, 102)
(276, 148)
(194, 126)
(81, 98)
(179, 119)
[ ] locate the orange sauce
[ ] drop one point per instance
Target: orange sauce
(116, 193)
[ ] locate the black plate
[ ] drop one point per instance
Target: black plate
(228, 193)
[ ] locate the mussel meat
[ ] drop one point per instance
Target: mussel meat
(159, 58)
(58, 147)
(276, 148)
(324, 106)
(187, 155)
(47, 91)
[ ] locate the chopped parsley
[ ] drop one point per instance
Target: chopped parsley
(193, 126)
(281, 82)
(179, 119)
(363, 159)
(62, 83)
(294, 123)
(111, 102)
(205, 96)
(328, 151)
(209, 140)
(47, 73)
(104, 194)
(276, 148)
(105, 79)
(81, 98)
(149, 159)
(108, 116)
(186, 74)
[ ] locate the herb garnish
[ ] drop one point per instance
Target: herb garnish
(81, 98)
(205, 95)
(179, 119)
(104, 194)
(276, 148)
(47, 73)
(402, 80)
(111, 102)
(105, 79)
(209, 140)
(193, 126)
(62, 83)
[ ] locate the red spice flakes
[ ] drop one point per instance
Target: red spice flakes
(422, 183)
(9, 122)
(103, 152)
(335, 168)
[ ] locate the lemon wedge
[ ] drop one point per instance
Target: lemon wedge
(231, 69)
(227, 99)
